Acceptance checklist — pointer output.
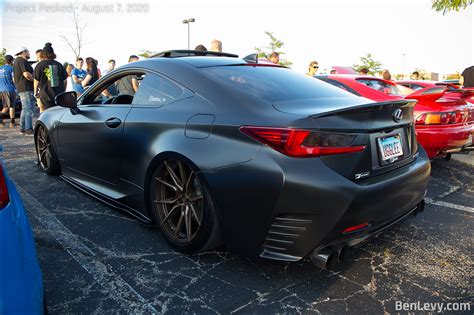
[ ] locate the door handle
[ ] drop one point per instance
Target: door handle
(113, 122)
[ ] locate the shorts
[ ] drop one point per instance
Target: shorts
(8, 99)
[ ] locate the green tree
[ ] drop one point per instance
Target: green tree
(3, 53)
(367, 61)
(147, 53)
(275, 46)
(450, 5)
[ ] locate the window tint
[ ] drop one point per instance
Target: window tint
(156, 90)
(272, 83)
(382, 86)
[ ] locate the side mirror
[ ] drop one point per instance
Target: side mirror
(68, 100)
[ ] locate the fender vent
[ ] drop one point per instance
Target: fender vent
(281, 236)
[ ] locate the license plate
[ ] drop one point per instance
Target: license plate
(390, 148)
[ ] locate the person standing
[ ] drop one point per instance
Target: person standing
(50, 78)
(23, 75)
(467, 77)
(69, 84)
(7, 90)
(128, 84)
(274, 57)
(216, 45)
(78, 75)
(364, 71)
(92, 72)
(111, 67)
(312, 68)
(386, 75)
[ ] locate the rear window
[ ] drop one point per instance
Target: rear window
(384, 87)
(273, 84)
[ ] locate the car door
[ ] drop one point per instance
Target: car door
(90, 141)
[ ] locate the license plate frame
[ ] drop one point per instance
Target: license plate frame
(394, 152)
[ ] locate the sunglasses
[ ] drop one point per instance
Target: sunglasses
(315, 67)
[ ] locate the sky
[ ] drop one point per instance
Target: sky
(402, 34)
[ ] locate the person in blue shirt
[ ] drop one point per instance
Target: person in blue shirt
(7, 91)
(78, 75)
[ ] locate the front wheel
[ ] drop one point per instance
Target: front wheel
(183, 207)
(46, 156)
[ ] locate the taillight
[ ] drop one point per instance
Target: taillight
(444, 118)
(303, 143)
(4, 198)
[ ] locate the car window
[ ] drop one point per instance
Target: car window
(382, 86)
(156, 90)
(272, 84)
(342, 86)
(120, 90)
(416, 87)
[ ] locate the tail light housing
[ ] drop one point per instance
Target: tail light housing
(444, 118)
(303, 143)
(4, 197)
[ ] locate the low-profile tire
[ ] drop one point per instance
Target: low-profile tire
(47, 158)
(183, 208)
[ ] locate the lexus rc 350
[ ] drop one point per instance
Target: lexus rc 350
(218, 149)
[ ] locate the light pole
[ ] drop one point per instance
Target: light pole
(188, 21)
(403, 65)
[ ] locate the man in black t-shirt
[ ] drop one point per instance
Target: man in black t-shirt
(23, 74)
(50, 77)
(467, 77)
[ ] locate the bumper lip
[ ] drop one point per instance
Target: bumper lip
(345, 240)
(357, 237)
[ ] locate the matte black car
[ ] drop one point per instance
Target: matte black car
(217, 149)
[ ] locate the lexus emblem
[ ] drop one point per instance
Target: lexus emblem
(397, 115)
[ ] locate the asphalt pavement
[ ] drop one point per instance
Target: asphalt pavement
(99, 260)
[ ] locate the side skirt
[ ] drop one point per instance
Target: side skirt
(107, 200)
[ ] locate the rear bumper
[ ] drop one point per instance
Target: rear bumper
(286, 208)
(439, 140)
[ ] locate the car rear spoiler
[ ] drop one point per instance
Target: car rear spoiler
(432, 94)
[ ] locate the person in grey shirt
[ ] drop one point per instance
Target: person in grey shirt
(128, 84)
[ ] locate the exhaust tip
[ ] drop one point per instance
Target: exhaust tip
(343, 252)
(324, 259)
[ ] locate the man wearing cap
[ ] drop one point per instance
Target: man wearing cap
(23, 74)
(7, 90)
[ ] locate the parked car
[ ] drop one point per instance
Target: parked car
(21, 282)
(444, 115)
(217, 149)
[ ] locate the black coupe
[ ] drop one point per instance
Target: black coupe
(216, 149)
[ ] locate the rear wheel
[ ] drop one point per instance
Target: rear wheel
(46, 156)
(183, 207)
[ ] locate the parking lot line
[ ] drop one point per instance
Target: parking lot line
(117, 288)
(448, 205)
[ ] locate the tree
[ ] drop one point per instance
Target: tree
(77, 42)
(275, 46)
(367, 61)
(3, 53)
(145, 53)
(450, 5)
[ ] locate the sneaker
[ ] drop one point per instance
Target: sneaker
(22, 131)
(29, 132)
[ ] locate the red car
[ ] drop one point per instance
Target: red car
(444, 115)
